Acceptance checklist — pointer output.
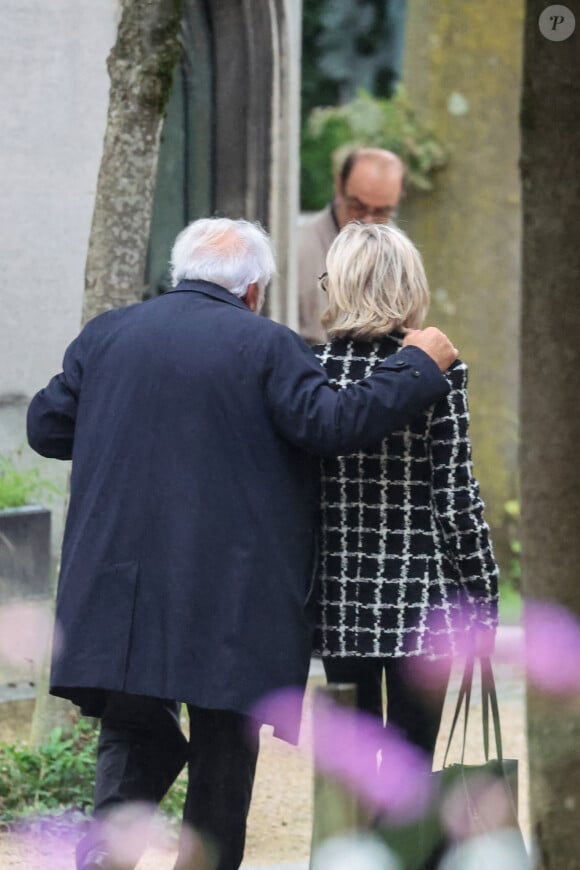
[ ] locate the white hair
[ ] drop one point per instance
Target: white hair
(231, 253)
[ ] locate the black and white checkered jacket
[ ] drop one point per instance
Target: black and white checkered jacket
(406, 561)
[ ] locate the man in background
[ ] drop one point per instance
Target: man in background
(368, 188)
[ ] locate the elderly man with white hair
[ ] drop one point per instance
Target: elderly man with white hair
(194, 428)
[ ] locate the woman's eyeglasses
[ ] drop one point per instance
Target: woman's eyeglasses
(323, 281)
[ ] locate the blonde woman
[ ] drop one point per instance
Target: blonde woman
(406, 566)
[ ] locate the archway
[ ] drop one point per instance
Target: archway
(230, 140)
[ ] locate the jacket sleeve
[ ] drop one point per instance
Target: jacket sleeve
(311, 414)
(457, 502)
(51, 418)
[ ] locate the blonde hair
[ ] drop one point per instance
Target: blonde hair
(375, 282)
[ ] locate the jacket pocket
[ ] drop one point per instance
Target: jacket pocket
(96, 623)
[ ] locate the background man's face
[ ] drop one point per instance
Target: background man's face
(371, 194)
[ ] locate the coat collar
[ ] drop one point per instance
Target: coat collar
(209, 289)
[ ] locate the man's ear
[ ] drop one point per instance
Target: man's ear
(252, 296)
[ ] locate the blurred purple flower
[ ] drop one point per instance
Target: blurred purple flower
(552, 647)
(427, 675)
(548, 649)
(283, 710)
(478, 804)
(345, 744)
(509, 646)
(25, 633)
(48, 843)
(132, 828)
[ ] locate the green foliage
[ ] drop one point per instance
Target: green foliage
(60, 777)
(329, 133)
(512, 512)
(347, 46)
(172, 804)
(510, 604)
(510, 597)
(317, 89)
(21, 486)
(57, 776)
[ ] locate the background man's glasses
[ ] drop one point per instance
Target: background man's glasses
(359, 209)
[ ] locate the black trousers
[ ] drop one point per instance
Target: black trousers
(142, 750)
(415, 709)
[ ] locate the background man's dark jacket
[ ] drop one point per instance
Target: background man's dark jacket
(193, 426)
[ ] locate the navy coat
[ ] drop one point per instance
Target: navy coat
(193, 425)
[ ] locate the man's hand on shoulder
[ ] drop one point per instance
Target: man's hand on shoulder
(435, 343)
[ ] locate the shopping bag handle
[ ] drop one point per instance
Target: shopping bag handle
(463, 696)
(489, 699)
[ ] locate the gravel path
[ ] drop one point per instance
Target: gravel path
(279, 826)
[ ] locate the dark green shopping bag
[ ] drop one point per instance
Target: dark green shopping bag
(468, 800)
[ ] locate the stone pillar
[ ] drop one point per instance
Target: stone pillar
(462, 70)
(53, 110)
(257, 61)
(285, 168)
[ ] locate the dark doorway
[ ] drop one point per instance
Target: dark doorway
(225, 134)
(185, 174)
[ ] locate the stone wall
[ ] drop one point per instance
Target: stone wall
(53, 103)
(463, 72)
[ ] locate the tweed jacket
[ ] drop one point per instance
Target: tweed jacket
(406, 565)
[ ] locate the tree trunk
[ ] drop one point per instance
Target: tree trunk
(550, 411)
(141, 69)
